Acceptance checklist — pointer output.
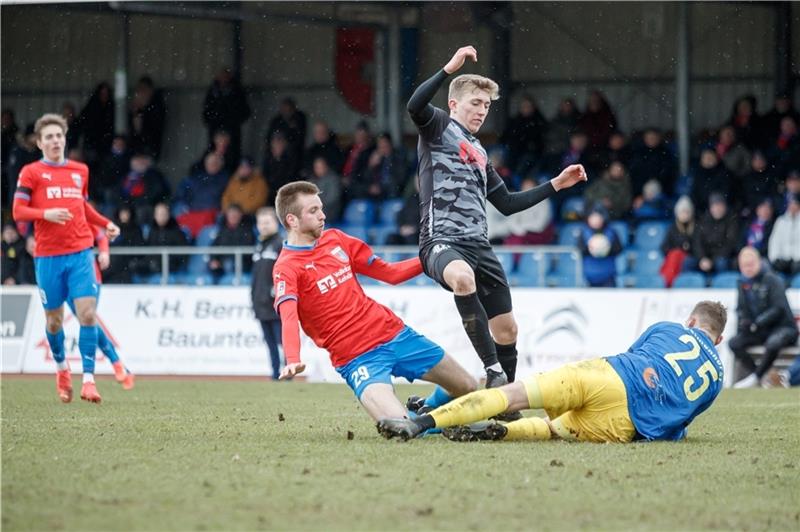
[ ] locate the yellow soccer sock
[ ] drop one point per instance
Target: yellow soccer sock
(534, 393)
(528, 429)
(470, 408)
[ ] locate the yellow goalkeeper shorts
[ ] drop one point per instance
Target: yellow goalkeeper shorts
(586, 401)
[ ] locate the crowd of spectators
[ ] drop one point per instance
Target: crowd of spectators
(743, 188)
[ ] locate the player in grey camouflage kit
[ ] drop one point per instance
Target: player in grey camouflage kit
(455, 181)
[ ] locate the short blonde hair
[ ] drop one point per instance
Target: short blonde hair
(286, 200)
(469, 83)
(50, 119)
(711, 315)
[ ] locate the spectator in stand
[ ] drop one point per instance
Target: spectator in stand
(324, 145)
(765, 317)
(784, 153)
(96, 124)
(576, 153)
(385, 176)
(280, 164)
(612, 190)
(771, 122)
(262, 290)
(532, 227)
(247, 188)
(563, 124)
(734, 155)
(21, 154)
(165, 231)
(760, 182)
(143, 187)
(234, 230)
(221, 146)
(784, 242)
(122, 271)
(73, 135)
(292, 123)
(13, 246)
(715, 239)
(357, 157)
(598, 121)
(652, 204)
(225, 107)
(9, 140)
(105, 184)
(199, 195)
(408, 220)
(651, 159)
(524, 136)
(790, 188)
(599, 245)
(618, 150)
(746, 122)
(711, 176)
(330, 185)
(146, 118)
(677, 244)
(758, 228)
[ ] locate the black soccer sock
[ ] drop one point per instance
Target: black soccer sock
(476, 323)
(507, 356)
(425, 421)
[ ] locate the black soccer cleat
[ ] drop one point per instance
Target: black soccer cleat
(495, 379)
(402, 428)
(414, 403)
(508, 417)
(481, 431)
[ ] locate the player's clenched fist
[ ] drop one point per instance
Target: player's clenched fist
(571, 175)
(112, 231)
(290, 370)
(459, 57)
(58, 215)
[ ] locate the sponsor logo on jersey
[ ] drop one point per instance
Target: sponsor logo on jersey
(650, 377)
(281, 287)
(326, 284)
(77, 179)
(471, 155)
(339, 253)
(53, 192)
(438, 248)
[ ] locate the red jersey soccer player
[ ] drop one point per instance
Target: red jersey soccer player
(316, 287)
(52, 194)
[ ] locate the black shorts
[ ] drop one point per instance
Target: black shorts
(490, 279)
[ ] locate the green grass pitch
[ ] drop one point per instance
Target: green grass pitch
(223, 455)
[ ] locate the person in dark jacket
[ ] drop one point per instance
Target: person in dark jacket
(599, 245)
(765, 317)
(225, 107)
(385, 176)
(262, 291)
(758, 228)
(166, 232)
(146, 118)
(234, 230)
(121, 271)
(96, 124)
(325, 146)
(524, 136)
(715, 239)
(280, 164)
(651, 159)
(13, 246)
(143, 186)
(291, 121)
(711, 176)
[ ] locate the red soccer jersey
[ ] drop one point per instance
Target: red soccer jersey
(48, 186)
(333, 308)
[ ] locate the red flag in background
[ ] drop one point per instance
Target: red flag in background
(355, 67)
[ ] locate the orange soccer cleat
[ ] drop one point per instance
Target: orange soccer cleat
(64, 385)
(89, 393)
(123, 375)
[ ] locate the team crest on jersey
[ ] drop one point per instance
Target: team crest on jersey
(77, 179)
(339, 253)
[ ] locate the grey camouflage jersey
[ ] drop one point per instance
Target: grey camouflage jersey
(454, 179)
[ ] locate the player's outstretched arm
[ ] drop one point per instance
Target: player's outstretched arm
(509, 203)
(290, 335)
(419, 106)
(392, 272)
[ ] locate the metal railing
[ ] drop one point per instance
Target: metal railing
(541, 255)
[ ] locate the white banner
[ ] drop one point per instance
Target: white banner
(211, 330)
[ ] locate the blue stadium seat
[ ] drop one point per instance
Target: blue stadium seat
(647, 262)
(359, 212)
(690, 280)
(569, 234)
(531, 266)
(198, 264)
(564, 272)
(389, 210)
(650, 235)
(648, 281)
(229, 279)
(572, 208)
(379, 233)
(206, 235)
(795, 282)
(622, 231)
(725, 280)
(200, 279)
(422, 280)
(563, 281)
(506, 261)
(358, 231)
(622, 262)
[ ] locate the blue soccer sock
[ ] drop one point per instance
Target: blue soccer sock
(438, 398)
(87, 344)
(56, 342)
(106, 346)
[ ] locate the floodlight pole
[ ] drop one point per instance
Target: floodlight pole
(121, 76)
(682, 118)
